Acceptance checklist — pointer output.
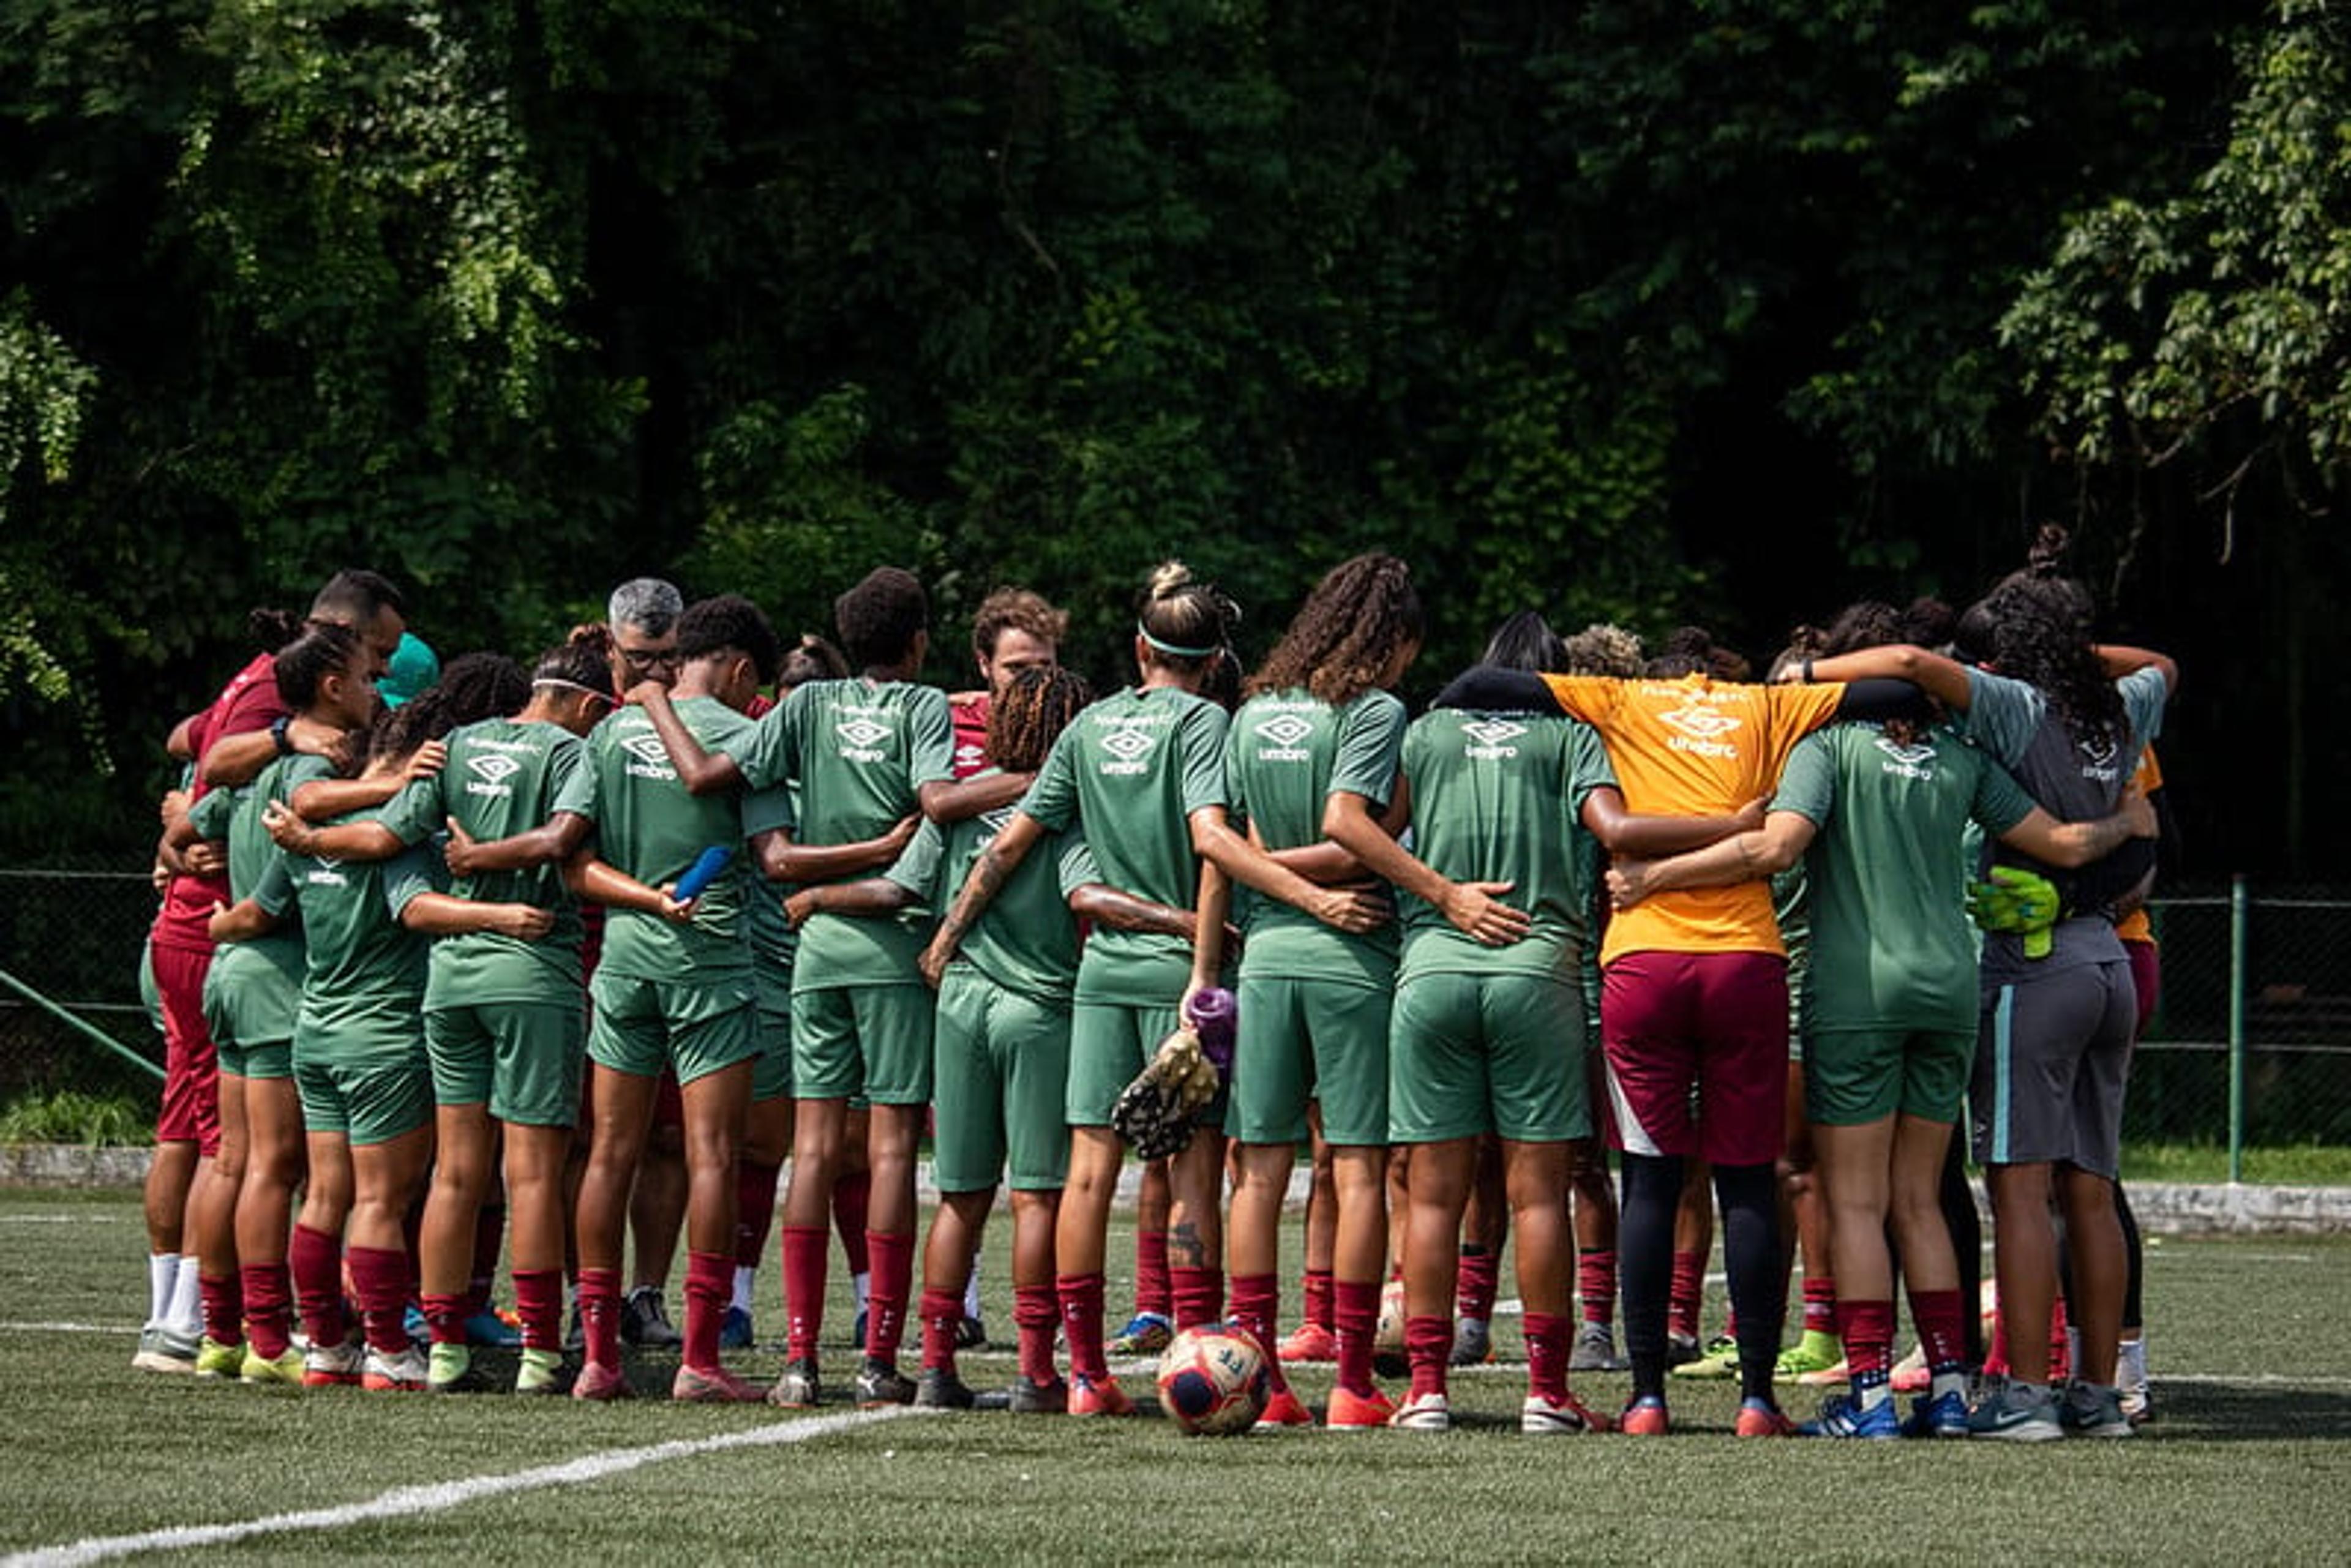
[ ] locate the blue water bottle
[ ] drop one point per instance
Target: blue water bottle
(704, 872)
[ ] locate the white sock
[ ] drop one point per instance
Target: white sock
(745, 1279)
(2074, 1354)
(163, 1278)
(1950, 1383)
(186, 1312)
(2130, 1362)
(863, 1284)
(971, 1291)
(1876, 1393)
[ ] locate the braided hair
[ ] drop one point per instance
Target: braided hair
(1035, 708)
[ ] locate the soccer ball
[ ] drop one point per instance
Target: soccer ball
(1388, 1358)
(1213, 1379)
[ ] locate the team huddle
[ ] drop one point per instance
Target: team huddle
(536, 958)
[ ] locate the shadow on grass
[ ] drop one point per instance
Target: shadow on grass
(2249, 1412)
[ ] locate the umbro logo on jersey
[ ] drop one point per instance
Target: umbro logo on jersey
(491, 771)
(2099, 760)
(863, 732)
(1702, 730)
(1285, 729)
(1489, 738)
(651, 758)
(995, 822)
(1910, 761)
(1130, 747)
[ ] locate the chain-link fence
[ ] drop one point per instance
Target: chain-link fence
(2253, 1031)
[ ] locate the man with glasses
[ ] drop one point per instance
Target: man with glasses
(642, 615)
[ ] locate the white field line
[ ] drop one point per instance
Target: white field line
(408, 1502)
(57, 1219)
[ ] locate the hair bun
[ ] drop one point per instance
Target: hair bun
(1168, 579)
(2050, 547)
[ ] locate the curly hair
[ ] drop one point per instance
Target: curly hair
(729, 623)
(881, 617)
(1035, 708)
(1187, 624)
(1347, 635)
(1873, 623)
(2039, 626)
(473, 687)
(1602, 649)
(1016, 609)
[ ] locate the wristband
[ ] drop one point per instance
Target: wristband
(1808, 672)
(278, 737)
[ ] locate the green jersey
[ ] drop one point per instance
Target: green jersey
(1132, 768)
(236, 815)
(774, 946)
(1498, 797)
(1026, 940)
(1891, 943)
(1286, 754)
(503, 778)
(361, 964)
(859, 753)
(649, 826)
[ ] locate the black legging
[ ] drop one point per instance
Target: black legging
(1748, 1196)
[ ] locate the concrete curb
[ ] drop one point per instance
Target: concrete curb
(2164, 1208)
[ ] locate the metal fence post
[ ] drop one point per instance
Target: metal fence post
(2237, 923)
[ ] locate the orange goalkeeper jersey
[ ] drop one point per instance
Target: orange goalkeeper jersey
(2135, 927)
(1696, 747)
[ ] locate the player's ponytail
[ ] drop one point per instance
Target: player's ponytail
(302, 666)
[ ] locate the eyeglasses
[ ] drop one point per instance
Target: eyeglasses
(640, 662)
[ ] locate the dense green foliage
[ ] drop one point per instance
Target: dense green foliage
(1654, 313)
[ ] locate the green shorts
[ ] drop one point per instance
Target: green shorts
(871, 1042)
(772, 1078)
(253, 993)
(1857, 1076)
(369, 1099)
(523, 1059)
(643, 1025)
(1003, 1067)
(1310, 1039)
(1109, 1043)
(1487, 1053)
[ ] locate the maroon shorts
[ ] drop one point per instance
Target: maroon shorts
(2147, 980)
(191, 1112)
(1696, 1046)
(669, 1103)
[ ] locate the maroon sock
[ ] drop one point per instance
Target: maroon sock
(942, 1316)
(489, 1240)
(1820, 1304)
(445, 1318)
(893, 1257)
(2060, 1359)
(709, 1282)
(1081, 1319)
(1478, 1278)
(1867, 1330)
(1428, 1341)
(850, 1196)
(222, 1297)
(266, 1287)
(315, 1261)
(1688, 1288)
(1318, 1298)
(1549, 1337)
(1153, 1292)
(600, 1315)
(1596, 1284)
(755, 1209)
(1200, 1295)
(804, 1261)
(1354, 1312)
(1036, 1313)
(538, 1301)
(380, 1275)
(1996, 1352)
(1257, 1308)
(1942, 1329)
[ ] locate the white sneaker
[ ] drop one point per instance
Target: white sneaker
(405, 1370)
(1552, 1417)
(334, 1365)
(1424, 1413)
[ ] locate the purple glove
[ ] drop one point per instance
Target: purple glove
(1211, 1014)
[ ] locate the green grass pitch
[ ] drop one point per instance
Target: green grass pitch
(2250, 1459)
